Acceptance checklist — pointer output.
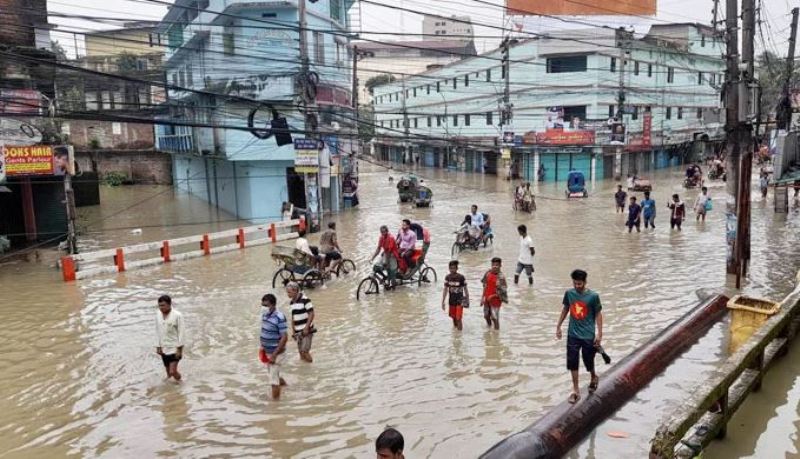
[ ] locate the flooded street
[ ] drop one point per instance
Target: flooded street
(79, 376)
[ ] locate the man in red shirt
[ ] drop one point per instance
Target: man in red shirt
(388, 245)
(494, 293)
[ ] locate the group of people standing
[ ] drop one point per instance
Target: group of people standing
(646, 210)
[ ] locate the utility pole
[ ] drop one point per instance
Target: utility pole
(785, 106)
(354, 96)
(406, 146)
(506, 117)
(311, 181)
(732, 131)
(622, 43)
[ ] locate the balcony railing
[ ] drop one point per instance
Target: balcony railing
(176, 143)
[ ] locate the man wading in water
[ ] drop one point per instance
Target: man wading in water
(169, 336)
(302, 320)
(584, 309)
(273, 342)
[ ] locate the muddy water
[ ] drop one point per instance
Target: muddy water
(78, 375)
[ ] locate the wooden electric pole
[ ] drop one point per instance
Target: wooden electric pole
(784, 110)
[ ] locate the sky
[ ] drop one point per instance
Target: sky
(488, 19)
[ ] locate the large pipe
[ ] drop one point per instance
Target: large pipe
(566, 425)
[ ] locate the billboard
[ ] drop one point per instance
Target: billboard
(559, 137)
(582, 7)
(20, 102)
(306, 156)
(38, 160)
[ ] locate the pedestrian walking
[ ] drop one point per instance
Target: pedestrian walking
(390, 444)
(649, 210)
(634, 216)
(619, 197)
(170, 333)
(455, 290)
(763, 184)
(302, 319)
(273, 340)
(495, 293)
(526, 253)
(585, 314)
(702, 204)
(678, 212)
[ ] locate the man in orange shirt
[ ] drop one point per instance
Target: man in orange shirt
(388, 245)
(495, 292)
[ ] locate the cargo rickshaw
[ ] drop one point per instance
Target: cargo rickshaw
(407, 188)
(298, 266)
(641, 184)
(576, 185)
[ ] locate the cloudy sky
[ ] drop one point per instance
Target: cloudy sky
(487, 16)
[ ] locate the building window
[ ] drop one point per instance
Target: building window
(455, 83)
(455, 120)
(635, 114)
(438, 86)
(415, 92)
(636, 67)
(611, 112)
(713, 77)
(416, 123)
(574, 111)
(383, 124)
(189, 75)
(336, 10)
(466, 120)
(613, 66)
(703, 41)
(182, 79)
(699, 78)
(488, 118)
(406, 93)
(669, 113)
(488, 75)
(670, 74)
(466, 80)
(429, 121)
(428, 89)
(566, 64)
(175, 79)
(680, 113)
(438, 120)
(648, 109)
(228, 41)
(319, 48)
(699, 113)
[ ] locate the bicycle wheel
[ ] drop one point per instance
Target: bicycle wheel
(283, 276)
(427, 276)
(368, 286)
(345, 267)
(455, 250)
(313, 278)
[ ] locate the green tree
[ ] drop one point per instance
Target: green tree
(378, 80)
(58, 50)
(366, 123)
(771, 75)
(126, 62)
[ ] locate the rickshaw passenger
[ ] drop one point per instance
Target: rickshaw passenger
(408, 241)
(301, 244)
(388, 245)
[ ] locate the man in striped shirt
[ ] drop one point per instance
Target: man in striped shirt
(273, 341)
(302, 320)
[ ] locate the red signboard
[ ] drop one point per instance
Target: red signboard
(647, 129)
(582, 7)
(20, 102)
(559, 137)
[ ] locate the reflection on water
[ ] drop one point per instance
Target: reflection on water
(79, 376)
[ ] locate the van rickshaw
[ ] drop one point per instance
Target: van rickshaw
(407, 188)
(576, 185)
(423, 196)
(298, 266)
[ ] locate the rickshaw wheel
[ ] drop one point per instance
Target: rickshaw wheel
(345, 267)
(313, 277)
(427, 276)
(368, 286)
(456, 249)
(282, 276)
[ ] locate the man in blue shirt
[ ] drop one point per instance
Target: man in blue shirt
(649, 211)
(634, 215)
(273, 342)
(585, 313)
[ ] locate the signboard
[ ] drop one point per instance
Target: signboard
(508, 138)
(38, 160)
(306, 156)
(647, 129)
(559, 137)
(20, 102)
(582, 7)
(18, 133)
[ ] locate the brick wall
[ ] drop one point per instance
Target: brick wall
(17, 18)
(128, 136)
(140, 166)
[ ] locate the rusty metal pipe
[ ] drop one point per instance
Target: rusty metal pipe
(566, 425)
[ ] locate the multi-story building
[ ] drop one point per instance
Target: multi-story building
(228, 59)
(564, 90)
(454, 28)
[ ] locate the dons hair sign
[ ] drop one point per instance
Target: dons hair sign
(582, 7)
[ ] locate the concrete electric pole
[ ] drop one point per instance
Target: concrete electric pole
(311, 181)
(784, 109)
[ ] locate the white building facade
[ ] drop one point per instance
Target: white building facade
(564, 91)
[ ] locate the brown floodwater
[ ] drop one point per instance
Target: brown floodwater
(79, 377)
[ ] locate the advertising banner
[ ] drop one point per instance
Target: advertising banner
(20, 102)
(582, 7)
(559, 137)
(306, 156)
(647, 129)
(38, 160)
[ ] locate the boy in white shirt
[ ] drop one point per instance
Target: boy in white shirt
(526, 251)
(169, 336)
